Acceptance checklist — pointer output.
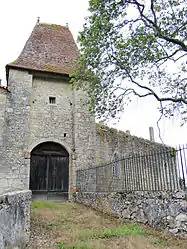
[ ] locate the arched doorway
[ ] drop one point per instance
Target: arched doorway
(49, 170)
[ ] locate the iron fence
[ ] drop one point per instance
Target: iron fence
(164, 169)
(181, 158)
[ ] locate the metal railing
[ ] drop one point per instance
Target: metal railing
(181, 158)
(160, 170)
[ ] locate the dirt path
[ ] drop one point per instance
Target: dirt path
(72, 226)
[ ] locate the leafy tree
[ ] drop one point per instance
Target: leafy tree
(134, 47)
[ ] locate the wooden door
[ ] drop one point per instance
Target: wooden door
(49, 170)
(58, 174)
(38, 173)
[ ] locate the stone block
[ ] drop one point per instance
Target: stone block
(15, 219)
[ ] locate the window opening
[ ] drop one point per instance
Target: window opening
(52, 100)
(115, 169)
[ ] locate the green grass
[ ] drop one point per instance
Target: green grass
(87, 239)
(75, 226)
(51, 224)
(60, 245)
(122, 230)
(43, 204)
(158, 242)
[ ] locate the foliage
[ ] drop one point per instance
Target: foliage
(134, 47)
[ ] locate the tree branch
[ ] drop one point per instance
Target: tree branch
(180, 57)
(168, 56)
(160, 99)
(154, 14)
(155, 27)
(172, 40)
(162, 113)
(151, 92)
(178, 29)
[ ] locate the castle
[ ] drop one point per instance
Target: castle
(46, 130)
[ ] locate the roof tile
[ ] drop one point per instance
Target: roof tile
(50, 48)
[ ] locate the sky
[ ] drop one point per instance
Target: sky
(17, 19)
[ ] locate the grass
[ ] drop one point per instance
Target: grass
(72, 226)
(87, 240)
(43, 204)
(52, 224)
(158, 241)
(121, 230)
(60, 244)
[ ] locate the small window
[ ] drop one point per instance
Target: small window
(52, 100)
(115, 168)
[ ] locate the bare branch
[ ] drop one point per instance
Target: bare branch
(141, 95)
(154, 14)
(168, 56)
(125, 22)
(180, 57)
(160, 99)
(172, 40)
(151, 91)
(162, 113)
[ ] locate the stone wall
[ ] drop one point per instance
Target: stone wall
(110, 141)
(84, 132)
(67, 122)
(3, 95)
(30, 119)
(15, 137)
(14, 219)
(158, 209)
(50, 121)
(131, 163)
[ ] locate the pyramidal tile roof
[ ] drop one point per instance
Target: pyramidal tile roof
(50, 48)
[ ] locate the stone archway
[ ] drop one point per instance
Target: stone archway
(49, 171)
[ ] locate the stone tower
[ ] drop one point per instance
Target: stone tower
(3, 169)
(48, 132)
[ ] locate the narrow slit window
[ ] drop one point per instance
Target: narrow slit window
(115, 168)
(52, 100)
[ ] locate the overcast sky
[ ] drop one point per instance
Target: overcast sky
(17, 19)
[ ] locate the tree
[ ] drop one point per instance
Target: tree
(134, 47)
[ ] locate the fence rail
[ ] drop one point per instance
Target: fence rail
(164, 169)
(181, 157)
